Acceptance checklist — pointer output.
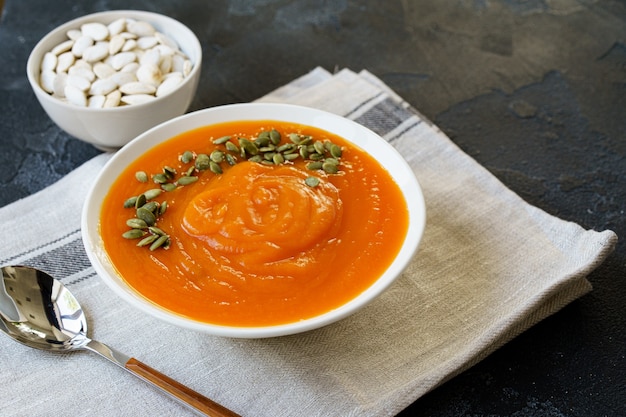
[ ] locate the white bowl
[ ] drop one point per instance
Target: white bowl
(112, 128)
(349, 130)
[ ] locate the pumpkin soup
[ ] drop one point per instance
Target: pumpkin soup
(253, 223)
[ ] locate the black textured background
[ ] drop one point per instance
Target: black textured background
(535, 90)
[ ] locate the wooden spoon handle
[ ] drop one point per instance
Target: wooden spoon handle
(185, 395)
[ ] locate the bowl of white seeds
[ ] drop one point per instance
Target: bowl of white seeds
(107, 77)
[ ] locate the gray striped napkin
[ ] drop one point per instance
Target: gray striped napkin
(489, 267)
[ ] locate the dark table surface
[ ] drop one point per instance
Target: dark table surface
(535, 90)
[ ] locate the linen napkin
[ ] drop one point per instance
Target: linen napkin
(489, 267)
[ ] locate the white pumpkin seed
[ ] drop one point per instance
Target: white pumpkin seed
(102, 86)
(152, 56)
(136, 87)
(96, 102)
(112, 99)
(81, 44)
(165, 50)
(166, 64)
(149, 74)
(103, 70)
(83, 84)
(122, 78)
(75, 96)
(47, 80)
(65, 61)
(62, 47)
(137, 98)
(49, 62)
(115, 44)
(95, 30)
(187, 66)
(60, 81)
(169, 84)
(117, 26)
(83, 72)
(147, 42)
(74, 34)
(129, 44)
(132, 67)
(121, 59)
(140, 28)
(97, 52)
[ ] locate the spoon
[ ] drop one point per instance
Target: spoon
(38, 311)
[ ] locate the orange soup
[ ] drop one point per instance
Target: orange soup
(232, 234)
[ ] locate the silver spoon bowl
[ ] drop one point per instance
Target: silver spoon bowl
(38, 311)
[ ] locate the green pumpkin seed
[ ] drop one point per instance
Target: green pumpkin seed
(312, 181)
(147, 240)
(295, 138)
(314, 165)
(335, 150)
(330, 167)
(141, 200)
(163, 208)
(221, 140)
(268, 155)
(130, 202)
(187, 180)
(278, 158)
(275, 136)
(152, 206)
(156, 231)
(231, 147)
(304, 152)
(248, 147)
(170, 186)
(291, 156)
(152, 194)
(159, 242)
(286, 147)
(186, 157)
(306, 139)
(169, 172)
(263, 139)
(217, 156)
(215, 167)
(133, 234)
(230, 159)
(146, 215)
(136, 224)
(319, 147)
(332, 161)
(202, 162)
(255, 158)
(316, 157)
(141, 176)
(160, 178)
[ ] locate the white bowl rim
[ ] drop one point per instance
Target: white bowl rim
(32, 67)
(264, 111)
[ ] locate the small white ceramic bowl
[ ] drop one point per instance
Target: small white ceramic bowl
(347, 129)
(112, 128)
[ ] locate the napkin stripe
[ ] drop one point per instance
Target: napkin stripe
(363, 104)
(41, 249)
(384, 117)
